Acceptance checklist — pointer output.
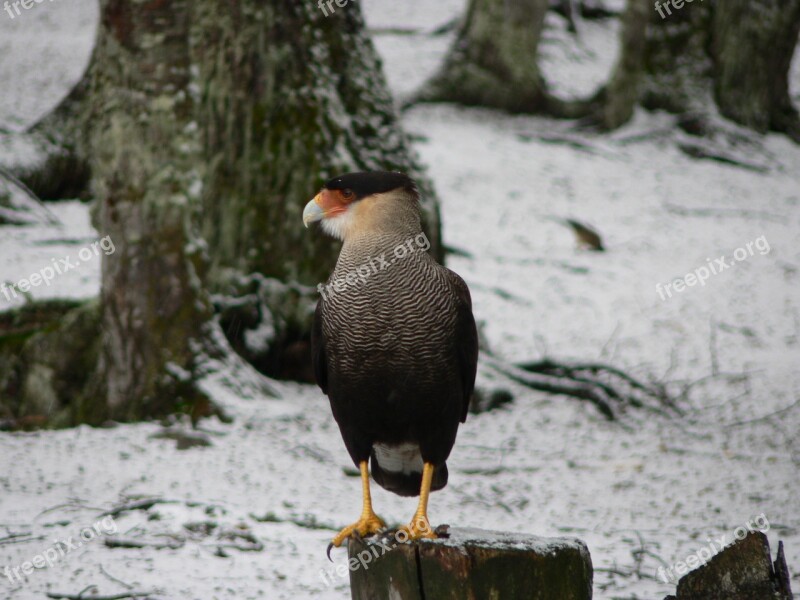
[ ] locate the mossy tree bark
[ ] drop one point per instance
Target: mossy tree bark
(754, 42)
(146, 163)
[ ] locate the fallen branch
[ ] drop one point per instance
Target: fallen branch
(19, 538)
(143, 504)
(241, 540)
(395, 31)
(80, 595)
(685, 211)
(699, 152)
(308, 522)
(119, 542)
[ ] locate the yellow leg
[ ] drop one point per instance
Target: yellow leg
(420, 526)
(369, 522)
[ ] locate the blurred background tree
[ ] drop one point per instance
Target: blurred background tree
(737, 52)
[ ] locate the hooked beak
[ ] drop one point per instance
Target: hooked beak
(313, 211)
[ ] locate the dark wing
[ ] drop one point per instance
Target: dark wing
(466, 339)
(318, 359)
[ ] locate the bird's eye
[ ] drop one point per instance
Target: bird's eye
(348, 194)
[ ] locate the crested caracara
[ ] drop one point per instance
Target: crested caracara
(394, 342)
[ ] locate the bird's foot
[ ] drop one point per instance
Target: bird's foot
(367, 525)
(419, 528)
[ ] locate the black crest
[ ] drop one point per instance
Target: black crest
(367, 183)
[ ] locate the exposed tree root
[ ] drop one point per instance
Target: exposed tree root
(141, 504)
(609, 389)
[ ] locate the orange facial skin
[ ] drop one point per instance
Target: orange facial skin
(334, 202)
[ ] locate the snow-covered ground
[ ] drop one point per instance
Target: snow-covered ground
(641, 497)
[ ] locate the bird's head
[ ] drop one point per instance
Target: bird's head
(366, 202)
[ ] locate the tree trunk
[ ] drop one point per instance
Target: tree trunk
(754, 42)
(493, 61)
(677, 65)
(621, 95)
(287, 98)
(146, 166)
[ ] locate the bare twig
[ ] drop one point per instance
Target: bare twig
(127, 586)
(700, 152)
(613, 335)
(307, 522)
(72, 504)
(628, 572)
(765, 417)
(712, 343)
(19, 538)
(685, 211)
(143, 504)
(51, 216)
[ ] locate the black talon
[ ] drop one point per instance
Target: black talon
(328, 552)
(442, 531)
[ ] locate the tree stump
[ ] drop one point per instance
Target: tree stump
(742, 571)
(471, 564)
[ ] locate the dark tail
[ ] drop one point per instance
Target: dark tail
(406, 484)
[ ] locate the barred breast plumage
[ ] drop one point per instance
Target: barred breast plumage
(394, 373)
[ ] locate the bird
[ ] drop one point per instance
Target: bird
(394, 343)
(586, 236)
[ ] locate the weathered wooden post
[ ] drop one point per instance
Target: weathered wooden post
(742, 571)
(471, 564)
